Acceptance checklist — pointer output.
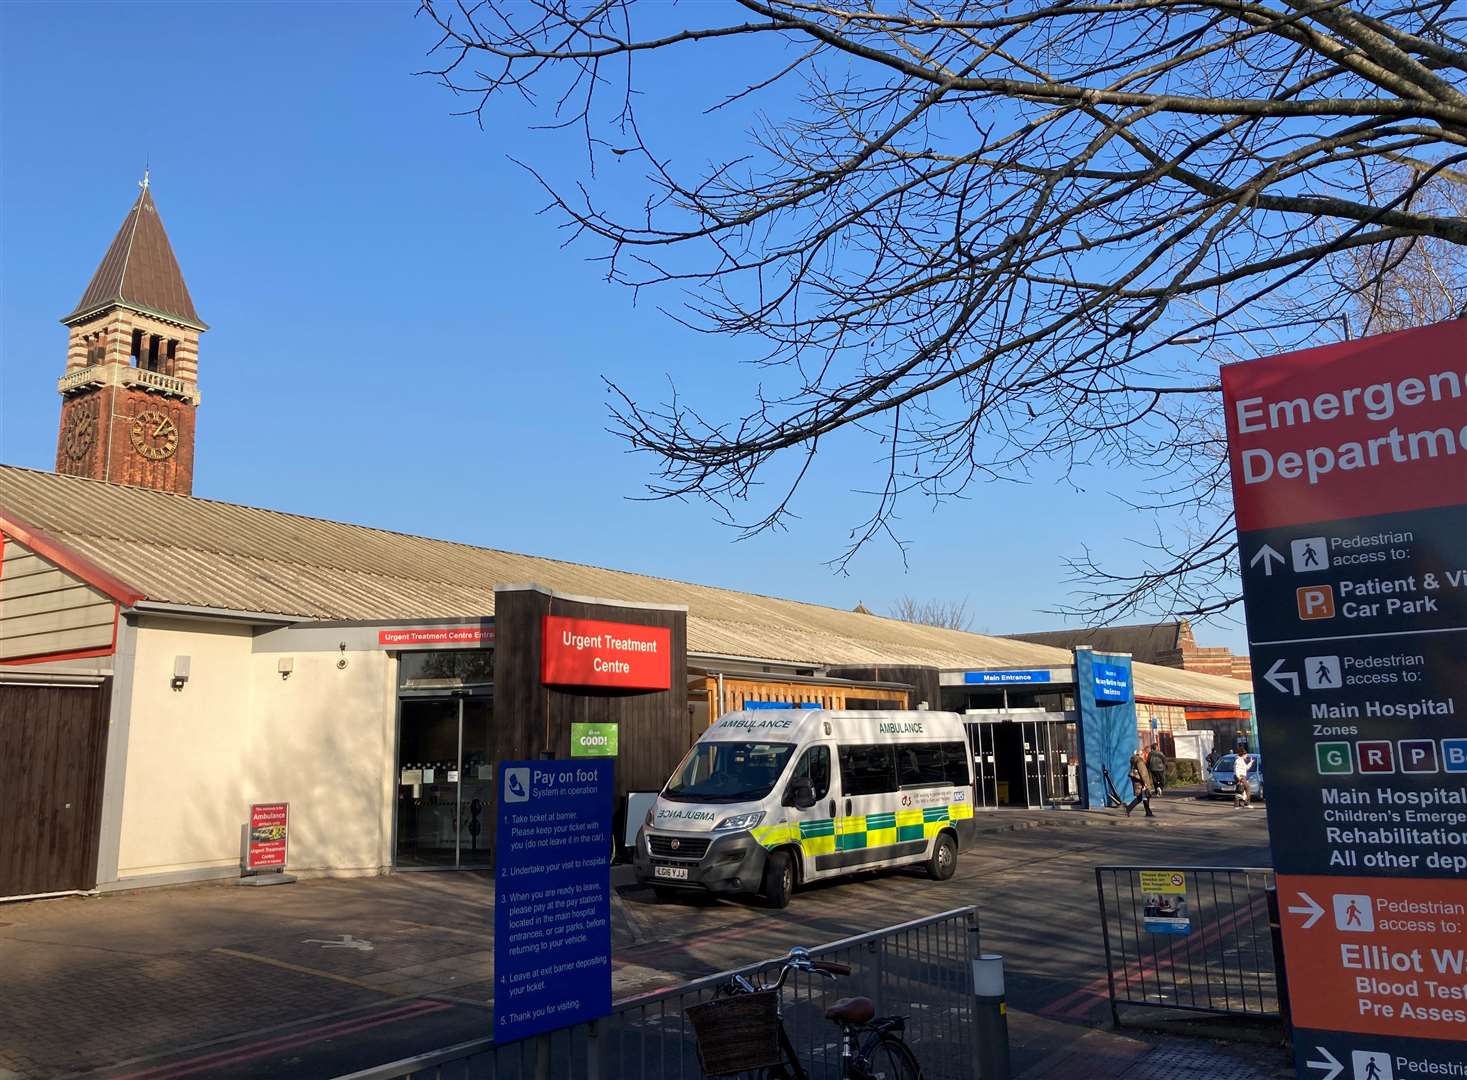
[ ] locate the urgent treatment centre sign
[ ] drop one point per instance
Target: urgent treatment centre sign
(552, 896)
(1349, 469)
(588, 652)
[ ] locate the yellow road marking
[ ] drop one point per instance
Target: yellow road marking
(303, 970)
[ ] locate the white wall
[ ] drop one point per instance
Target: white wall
(186, 748)
(322, 740)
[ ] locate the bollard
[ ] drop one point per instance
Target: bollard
(990, 1016)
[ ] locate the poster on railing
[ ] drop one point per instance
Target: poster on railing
(1349, 470)
(552, 896)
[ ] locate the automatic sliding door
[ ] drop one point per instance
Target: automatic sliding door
(444, 782)
(475, 834)
(427, 791)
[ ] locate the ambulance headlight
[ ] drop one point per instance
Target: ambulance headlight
(740, 821)
(651, 815)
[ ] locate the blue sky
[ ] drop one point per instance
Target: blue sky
(398, 337)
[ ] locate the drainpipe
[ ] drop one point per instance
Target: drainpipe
(719, 711)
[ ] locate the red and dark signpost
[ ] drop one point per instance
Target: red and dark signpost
(1349, 467)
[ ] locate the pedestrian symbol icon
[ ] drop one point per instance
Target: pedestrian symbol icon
(1322, 672)
(1309, 554)
(1353, 913)
(1371, 1065)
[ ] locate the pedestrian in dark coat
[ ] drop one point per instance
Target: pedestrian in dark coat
(1156, 764)
(1140, 784)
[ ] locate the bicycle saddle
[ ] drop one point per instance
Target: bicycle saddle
(857, 1010)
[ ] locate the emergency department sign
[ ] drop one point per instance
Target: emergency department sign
(1349, 470)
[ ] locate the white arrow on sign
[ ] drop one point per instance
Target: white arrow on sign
(1285, 682)
(346, 941)
(1314, 911)
(1267, 555)
(1330, 1065)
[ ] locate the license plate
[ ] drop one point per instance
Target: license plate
(677, 873)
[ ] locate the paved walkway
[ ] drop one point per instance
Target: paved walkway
(214, 980)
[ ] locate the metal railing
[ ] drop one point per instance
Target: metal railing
(921, 970)
(1195, 938)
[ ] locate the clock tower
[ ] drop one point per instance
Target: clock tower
(131, 387)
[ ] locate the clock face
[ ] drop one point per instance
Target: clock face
(80, 434)
(154, 435)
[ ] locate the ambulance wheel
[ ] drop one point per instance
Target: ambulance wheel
(943, 862)
(779, 879)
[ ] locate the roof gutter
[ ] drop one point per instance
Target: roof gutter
(72, 561)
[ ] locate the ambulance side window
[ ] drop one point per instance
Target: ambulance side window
(815, 764)
(867, 770)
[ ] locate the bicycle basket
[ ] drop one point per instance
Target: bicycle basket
(737, 1033)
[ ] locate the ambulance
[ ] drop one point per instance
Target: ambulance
(767, 800)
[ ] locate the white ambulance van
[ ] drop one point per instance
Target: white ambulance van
(768, 799)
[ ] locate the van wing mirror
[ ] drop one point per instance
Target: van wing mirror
(800, 794)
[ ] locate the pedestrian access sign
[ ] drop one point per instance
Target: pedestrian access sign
(1349, 470)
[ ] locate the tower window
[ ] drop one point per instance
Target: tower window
(137, 348)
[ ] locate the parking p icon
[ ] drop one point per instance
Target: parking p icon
(1316, 602)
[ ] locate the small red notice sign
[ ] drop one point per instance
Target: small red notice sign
(269, 826)
(417, 637)
(586, 652)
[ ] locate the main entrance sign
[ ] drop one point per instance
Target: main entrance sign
(588, 652)
(1349, 468)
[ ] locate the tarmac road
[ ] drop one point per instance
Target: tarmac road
(328, 976)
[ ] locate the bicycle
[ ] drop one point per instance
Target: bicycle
(742, 1030)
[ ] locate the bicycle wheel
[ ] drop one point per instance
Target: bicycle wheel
(887, 1058)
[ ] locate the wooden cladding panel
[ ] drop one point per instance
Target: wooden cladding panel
(53, 745)
(737, 690)
(532, 720)
(923, 680)
(46, 610)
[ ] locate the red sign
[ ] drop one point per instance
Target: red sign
(1386, 956)
(269, 826)
(1364, 427)
(584, 652)
(463, 637)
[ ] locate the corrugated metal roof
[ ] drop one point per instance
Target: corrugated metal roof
(140, 269)
(183, 550)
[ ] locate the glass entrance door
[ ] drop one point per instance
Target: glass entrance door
(444, 773)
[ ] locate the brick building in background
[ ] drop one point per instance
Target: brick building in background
(1172, 645)
(1168, 644)
(131, 386)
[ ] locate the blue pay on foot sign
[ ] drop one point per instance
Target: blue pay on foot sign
(552, 896)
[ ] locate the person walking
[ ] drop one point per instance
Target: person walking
(1156, 764)
(1140, 784)
(1241, 764)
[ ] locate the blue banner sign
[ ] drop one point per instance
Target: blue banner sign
(1004, 678)
(781, 705)
(552, 896)
(1112, 682)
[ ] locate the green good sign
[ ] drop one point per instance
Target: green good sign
(593, 740)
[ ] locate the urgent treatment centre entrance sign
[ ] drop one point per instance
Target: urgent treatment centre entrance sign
(552, 896)
(1349, 469)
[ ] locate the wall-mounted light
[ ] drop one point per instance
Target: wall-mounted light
(341, 664)
(180, 672)
(285, 665)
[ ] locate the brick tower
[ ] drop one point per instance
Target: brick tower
(132, 364)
